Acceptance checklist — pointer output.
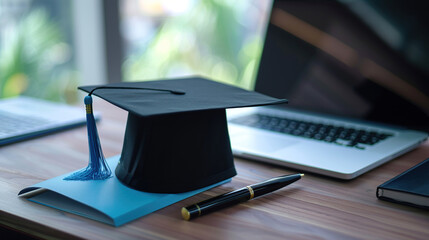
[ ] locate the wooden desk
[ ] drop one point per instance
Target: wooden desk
(315, 207)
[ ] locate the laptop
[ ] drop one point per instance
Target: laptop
(25, 117)
(354, 104)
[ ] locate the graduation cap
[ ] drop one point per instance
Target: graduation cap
(176, 138)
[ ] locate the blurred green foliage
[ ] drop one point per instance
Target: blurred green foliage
(208, 41)
(35, 60)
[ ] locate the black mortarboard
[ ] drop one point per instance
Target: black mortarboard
(176, 138)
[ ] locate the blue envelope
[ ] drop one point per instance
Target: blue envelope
(107, 201)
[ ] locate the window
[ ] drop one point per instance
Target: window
(49, 47)
(218, 39)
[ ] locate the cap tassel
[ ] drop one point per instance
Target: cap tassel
(97, 168)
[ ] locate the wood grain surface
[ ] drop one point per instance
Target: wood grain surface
(315, 207)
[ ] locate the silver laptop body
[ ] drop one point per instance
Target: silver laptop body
(334, 159)
(25, 117)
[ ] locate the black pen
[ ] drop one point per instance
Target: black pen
(238, 196)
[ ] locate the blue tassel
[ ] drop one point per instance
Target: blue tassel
(97, 168)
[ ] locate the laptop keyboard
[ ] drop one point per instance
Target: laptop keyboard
(11, 123)
(345, 136)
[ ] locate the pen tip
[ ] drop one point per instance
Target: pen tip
(302, 174)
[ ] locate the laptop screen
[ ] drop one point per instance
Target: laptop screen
(322, 57)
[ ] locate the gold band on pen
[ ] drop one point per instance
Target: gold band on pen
(199, 209)
(252, 194)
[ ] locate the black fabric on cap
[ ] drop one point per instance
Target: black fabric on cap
(177, 142)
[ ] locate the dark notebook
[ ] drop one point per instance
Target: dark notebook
(410, 187)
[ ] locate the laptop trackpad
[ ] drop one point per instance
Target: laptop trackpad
(260, 143)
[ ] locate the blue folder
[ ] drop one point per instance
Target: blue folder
(107, 201)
